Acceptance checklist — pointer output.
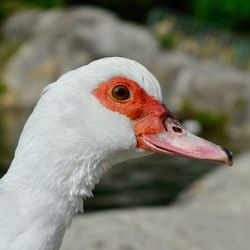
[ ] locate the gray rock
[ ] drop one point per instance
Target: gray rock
(217, 218)
(211, 88)
(21, 25)
(56, 41)
(208, 85)
(63, 40)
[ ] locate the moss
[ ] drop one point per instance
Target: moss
(7, 8)
(240, 103)
(7, 50)
(3, 88)
(168, 41)
(207, 119)
(215, 125)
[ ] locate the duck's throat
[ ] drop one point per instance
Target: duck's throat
(45, 195)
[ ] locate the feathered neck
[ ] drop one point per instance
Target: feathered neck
(45, 184)
(66, 146)
(48, 191)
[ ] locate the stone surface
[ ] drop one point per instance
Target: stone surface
(53, 42)
(60, 41)
(216, 217)
(207, 85)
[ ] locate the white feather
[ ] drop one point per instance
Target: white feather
(67, 144)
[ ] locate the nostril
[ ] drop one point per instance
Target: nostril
(177, 129)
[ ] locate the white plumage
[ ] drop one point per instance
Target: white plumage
(84, 123)
(67, 144)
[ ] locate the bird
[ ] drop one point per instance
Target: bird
(88, 120)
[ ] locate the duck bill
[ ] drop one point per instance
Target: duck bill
(175, 139)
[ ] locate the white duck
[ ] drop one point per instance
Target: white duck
(85, 122)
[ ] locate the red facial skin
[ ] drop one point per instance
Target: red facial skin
(153, 134)
(147, 113)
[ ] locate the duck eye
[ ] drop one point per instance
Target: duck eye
(120, 93)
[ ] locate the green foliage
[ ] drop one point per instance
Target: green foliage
(121, 2)
(2, 88)
(208, 120)
(233, 14)
(44, 3)
(7, 50)
(7, 7)
(168, 41)
(226, 13)
(214, 125)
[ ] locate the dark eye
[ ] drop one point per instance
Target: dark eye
(120, 93)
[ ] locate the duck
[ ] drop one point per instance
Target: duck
(88, 120)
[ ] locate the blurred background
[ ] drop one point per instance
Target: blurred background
(200, 52)
(198, 49)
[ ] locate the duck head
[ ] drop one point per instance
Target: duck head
(89, 119)
(100, 114)
(138, 98)
(115, 109)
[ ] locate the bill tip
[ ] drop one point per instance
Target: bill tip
(229, 156)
